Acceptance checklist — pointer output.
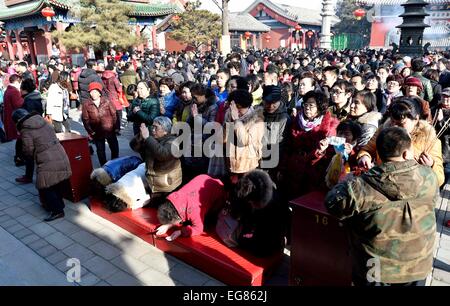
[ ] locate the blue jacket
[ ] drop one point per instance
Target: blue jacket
(171, 102)
(118, 167)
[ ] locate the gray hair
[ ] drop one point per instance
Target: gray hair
(164, 122)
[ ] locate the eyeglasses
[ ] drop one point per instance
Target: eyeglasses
(155, 127)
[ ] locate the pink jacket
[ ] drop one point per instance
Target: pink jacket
(194, 200)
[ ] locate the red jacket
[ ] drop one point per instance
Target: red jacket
(194, 200)
(12, 100)
(305, 169)
(112, 87)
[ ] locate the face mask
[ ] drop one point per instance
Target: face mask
(180, 65)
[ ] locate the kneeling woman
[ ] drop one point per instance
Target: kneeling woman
(163, 169)
(52, 165)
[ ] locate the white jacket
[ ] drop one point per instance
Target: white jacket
(55, 102)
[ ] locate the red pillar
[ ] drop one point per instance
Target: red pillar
(138, 34)
(254, 40)
(19, 45)
(304, 39)
(154, 38)
(31, 47)
(63, 52)
(48, 40)
(9, 45)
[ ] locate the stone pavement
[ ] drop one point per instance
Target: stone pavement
(108, 254)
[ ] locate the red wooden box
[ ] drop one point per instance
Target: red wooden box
(319, 245)
(77, 150)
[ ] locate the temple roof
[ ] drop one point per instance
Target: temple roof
(31, 7)
(396, 2)
(246, 22)
(297, 14)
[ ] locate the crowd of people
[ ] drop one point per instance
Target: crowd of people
(367, 126)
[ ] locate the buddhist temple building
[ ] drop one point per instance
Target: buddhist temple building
(25, 30)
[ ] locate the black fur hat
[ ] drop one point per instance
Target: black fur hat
(256, 186)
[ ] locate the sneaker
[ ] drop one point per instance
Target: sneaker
(24, 180)
(54, 216)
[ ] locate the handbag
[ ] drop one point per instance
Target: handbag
(228, 228)
(123, 99)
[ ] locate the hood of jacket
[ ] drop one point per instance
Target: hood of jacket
(87, 72)
(423, 131)
(34, 95)
(370, 118)
(33, 121)
(108, 74)
(394, 179)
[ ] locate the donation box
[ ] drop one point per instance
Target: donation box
(77, 150)
(319, 245)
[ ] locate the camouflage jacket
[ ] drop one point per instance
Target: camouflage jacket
(391, 220)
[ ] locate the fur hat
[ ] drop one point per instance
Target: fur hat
(412, 81)
(256, 186)
(101, 176)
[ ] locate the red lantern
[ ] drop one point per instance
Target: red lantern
(310, 34)
(359, 14)
(48, 12)
(247, 35)
(298, 27)
(268, 37)
(176, 18)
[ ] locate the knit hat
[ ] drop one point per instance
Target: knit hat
(271, 94)
(95, 85)
(412, 81)
(446, 92)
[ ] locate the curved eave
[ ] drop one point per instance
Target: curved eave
(29, 9)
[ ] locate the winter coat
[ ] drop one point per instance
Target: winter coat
(12, 100)
(39, 141)
(390, 210)
(304, 168)
(87, 76)
(246, 142)
(171, 102)
(194, 200)
(262, 231)
(427, 92)
(127, 78)
(56, 99)
(74, 76)
(163, 169)
(149, 110)
(118, 167)
(112, 88)
(389, 99)
(424, 132)
(99, 122)
(32, 102)
(257, 96)
(445, 138)
(369, 125)
(276, 132)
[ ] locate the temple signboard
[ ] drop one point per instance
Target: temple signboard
(15, 2)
